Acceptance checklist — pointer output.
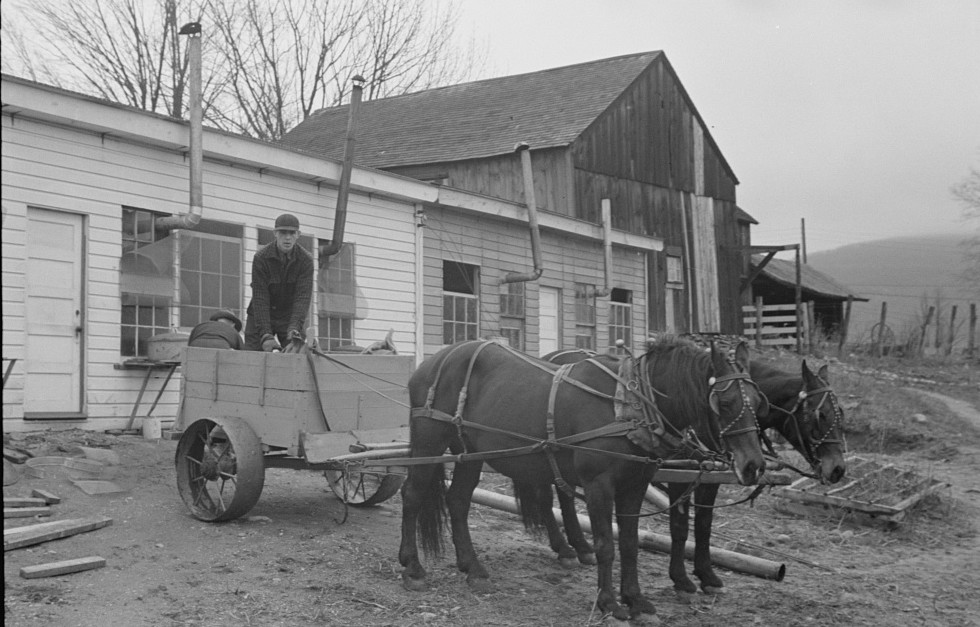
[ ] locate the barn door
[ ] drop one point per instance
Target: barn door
(53, 321)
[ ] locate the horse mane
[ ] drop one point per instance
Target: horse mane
(679, 370)
(777, 384)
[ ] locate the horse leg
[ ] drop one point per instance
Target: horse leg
(704, 500)
(599, 501)
(534, 500)
(629, 499)
(573, 530)
(421, 492)
(466, 476)
(678, 536)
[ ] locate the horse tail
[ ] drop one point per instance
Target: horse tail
(531, 500)
(432, 512)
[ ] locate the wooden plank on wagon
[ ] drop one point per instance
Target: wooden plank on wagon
(64, 567)
(25, 512)
(36, 534)
(23, 501)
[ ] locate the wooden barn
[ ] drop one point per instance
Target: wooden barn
(96, 259)
(622, 130)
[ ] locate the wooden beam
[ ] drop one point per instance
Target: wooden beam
(19, 537)
(19, 501)
(64, 567)
(25, 512)
(49, 497)
(766, 249)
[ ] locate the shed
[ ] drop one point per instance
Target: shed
(622, 130)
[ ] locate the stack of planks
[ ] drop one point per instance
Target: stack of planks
(38, 504)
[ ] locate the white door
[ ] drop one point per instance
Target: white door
(53, 369)
(549, 326)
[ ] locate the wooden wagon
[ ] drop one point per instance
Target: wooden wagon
(242, 412)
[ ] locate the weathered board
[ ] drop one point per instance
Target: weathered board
(64, 567)
(277, 393)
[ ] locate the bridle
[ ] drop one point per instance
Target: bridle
(746, 414)
(809, 444)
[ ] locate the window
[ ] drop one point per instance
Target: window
(675, 271)
(210, 275)
(336, 290)
(146, 280)
(512, 314)
(620, 318)
(460, 302)
(585, 316)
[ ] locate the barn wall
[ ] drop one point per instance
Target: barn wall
(71, 170)
(502, 177)
(500, 247)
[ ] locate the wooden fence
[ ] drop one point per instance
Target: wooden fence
(772, 325)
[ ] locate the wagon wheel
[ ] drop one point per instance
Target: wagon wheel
(220, 469)
(362, 488)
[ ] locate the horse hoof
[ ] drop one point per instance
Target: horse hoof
(588, 559)
(713, 589)
(568, 563)
(414, 585)
(480, 586)
(684, 596)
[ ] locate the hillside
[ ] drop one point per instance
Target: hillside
(910, 274)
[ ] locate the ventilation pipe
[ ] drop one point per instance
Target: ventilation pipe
(606, 248)
(523, 149)
(190, 219)
(340, 217)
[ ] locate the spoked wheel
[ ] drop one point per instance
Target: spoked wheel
(363, 488)
(220, 468)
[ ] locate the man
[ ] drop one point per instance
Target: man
(221, 331)
(282, 286)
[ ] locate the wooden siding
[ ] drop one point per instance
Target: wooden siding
(502, 177)
(498, 248)
(66, 169)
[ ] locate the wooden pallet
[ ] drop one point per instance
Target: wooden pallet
(872, 493)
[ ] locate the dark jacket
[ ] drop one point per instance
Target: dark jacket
(281, 291)
(214, 334)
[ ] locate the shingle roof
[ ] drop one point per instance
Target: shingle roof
(474, 120)
(814, 281)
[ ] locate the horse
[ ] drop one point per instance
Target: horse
(587, 426)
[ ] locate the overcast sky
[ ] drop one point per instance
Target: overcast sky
(855, 115)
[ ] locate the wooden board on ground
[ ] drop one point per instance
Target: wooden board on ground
(64, 567)
(23, 501)
(29, 535)
(25, 512)
(49, 497)
(872, 493)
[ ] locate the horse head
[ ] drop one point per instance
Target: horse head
(735, 401)
(822, 426)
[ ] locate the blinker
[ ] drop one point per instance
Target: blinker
(711, 381)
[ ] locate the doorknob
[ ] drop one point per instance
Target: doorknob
(78, 330)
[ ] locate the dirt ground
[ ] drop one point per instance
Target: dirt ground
(292, 560)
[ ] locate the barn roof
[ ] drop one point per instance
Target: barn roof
(475, 120)
(813, 281)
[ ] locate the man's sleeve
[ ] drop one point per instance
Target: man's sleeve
(304, 293)
(260, 297)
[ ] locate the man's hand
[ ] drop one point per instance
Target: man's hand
(293, 334)
(270, 343)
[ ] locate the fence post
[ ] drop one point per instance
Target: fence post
(811, 320)
(971, 340)
(951, 334)
(844, 325)
(758, 322)
(881, 329)
(922, 332)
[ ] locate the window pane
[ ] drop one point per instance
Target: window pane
(127, 341)
(190, 258)
(188, 316)
(210, 255)
(210, 290)
(191, 292)
(129, 314)
(230, 293)
(145, 315)
(231, 258)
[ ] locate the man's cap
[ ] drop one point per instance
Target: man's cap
(287, 221)
(227, 315)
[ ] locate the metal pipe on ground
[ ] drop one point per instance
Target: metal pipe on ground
(732, 560)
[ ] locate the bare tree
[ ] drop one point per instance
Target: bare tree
(268, 63)
(967, 192)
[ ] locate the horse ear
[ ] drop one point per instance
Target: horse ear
(824, 373)
(742, 355)
(713, 401)
(718, 360)
(807, 373)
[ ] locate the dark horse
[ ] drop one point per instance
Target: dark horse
(543, 424)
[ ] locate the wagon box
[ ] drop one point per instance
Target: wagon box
(285, 396)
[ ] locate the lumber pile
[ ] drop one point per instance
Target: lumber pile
(39, 504)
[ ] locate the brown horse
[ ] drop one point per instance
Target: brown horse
(543, 424)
